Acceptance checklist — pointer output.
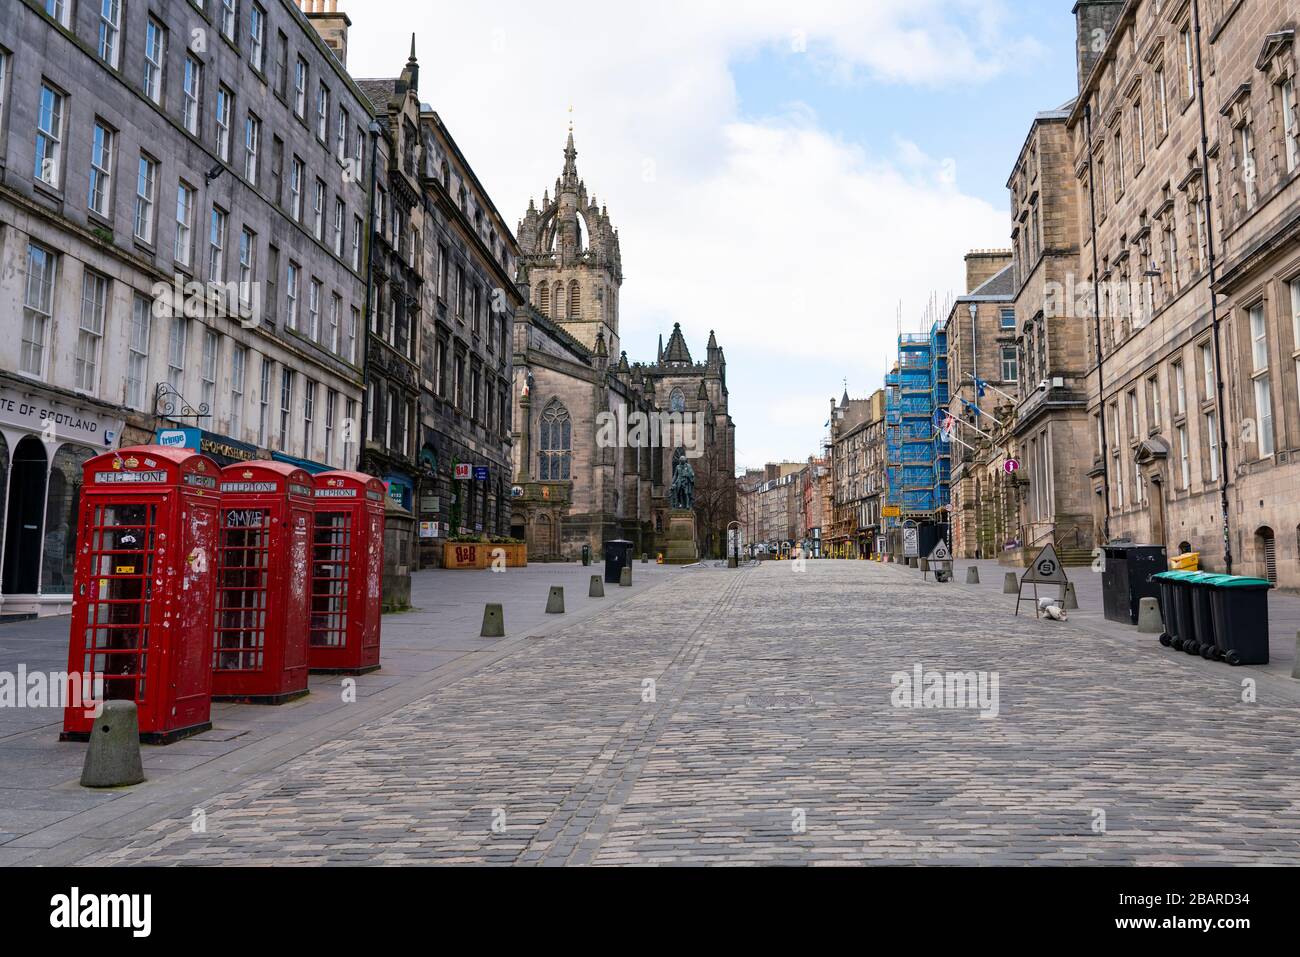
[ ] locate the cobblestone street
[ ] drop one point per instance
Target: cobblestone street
(746, 717)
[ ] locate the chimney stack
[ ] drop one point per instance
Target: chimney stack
(330, 24)
(1093, 20)
(983, 264)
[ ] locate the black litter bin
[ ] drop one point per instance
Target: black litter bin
(586, 554)
(618, 556)
(1126, 579)
(1240, 610)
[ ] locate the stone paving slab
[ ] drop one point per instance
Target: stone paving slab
(439, 636)
(768, 736)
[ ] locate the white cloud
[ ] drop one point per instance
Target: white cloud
(794, 245)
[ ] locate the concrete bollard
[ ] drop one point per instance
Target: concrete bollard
(113, 757)
(925, 564)
(494, 622)
(625, 579)
(972, 575)
(1010, 584)
(1295, 669)
(555, 601)
(597, 589)
(644, 558)
(1149, 622)
(732, 562)
(1070, 601)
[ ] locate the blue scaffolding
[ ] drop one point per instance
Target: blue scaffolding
(919, 458)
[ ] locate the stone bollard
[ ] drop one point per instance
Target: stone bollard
(555, 601)
(597, 589)
(113, 757)
(733, 562)
(1010, 584)
(1295, 669)
(925, 564)
(1149, 622)
(644, 558)
(494, 622)
(972, 575)
(625, 579)
(1070, 601)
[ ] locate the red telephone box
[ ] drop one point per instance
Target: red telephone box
(259, 645)
(347, 573)
(143, 588)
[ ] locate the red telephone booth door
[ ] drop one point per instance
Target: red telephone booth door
(259, 652)
(142, 589)
(374, 583)
(347, 574)
(115, 576)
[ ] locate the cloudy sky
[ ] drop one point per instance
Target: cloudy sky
(786, 174)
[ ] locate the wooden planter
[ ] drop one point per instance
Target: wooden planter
(463, 555)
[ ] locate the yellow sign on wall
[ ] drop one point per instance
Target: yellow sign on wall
(890, 511)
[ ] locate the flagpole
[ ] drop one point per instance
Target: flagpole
(972, 428)
(981, 383)
(979, 411)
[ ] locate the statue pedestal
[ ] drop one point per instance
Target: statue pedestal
(680, 535)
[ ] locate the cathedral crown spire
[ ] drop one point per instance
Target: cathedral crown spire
(569, 178)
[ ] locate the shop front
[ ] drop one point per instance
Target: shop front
(307, 465)
(45, 438)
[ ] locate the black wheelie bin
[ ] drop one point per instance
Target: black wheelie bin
(1240, 610)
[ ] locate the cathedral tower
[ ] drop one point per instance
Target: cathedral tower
(574, 266)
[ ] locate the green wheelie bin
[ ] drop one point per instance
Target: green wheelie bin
(1179, 610)
(1168, 582)
(1199, 585)
(1239, 607)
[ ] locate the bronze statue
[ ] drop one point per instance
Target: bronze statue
(681, 494)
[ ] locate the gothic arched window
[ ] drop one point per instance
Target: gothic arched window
(555, 443)
(575, 300)
(544, 299)
(677, 401)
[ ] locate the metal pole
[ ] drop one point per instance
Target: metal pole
(1221, 425)
(365, 333)
(1096, 322)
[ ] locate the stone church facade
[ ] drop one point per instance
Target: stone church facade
(572, 486)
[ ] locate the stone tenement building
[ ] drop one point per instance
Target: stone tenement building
(814, 481)
(467, 361)
(1050, 423)
(569, 489)
(857, 465)
(443, 300)
(440, 306)
(981, 333)
(1196, 413)
(770, 504)
(183, 201)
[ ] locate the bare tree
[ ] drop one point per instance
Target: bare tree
(715, 501)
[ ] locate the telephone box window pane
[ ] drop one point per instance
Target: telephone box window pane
(122, 542)
(332, 546)
(242, 581)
